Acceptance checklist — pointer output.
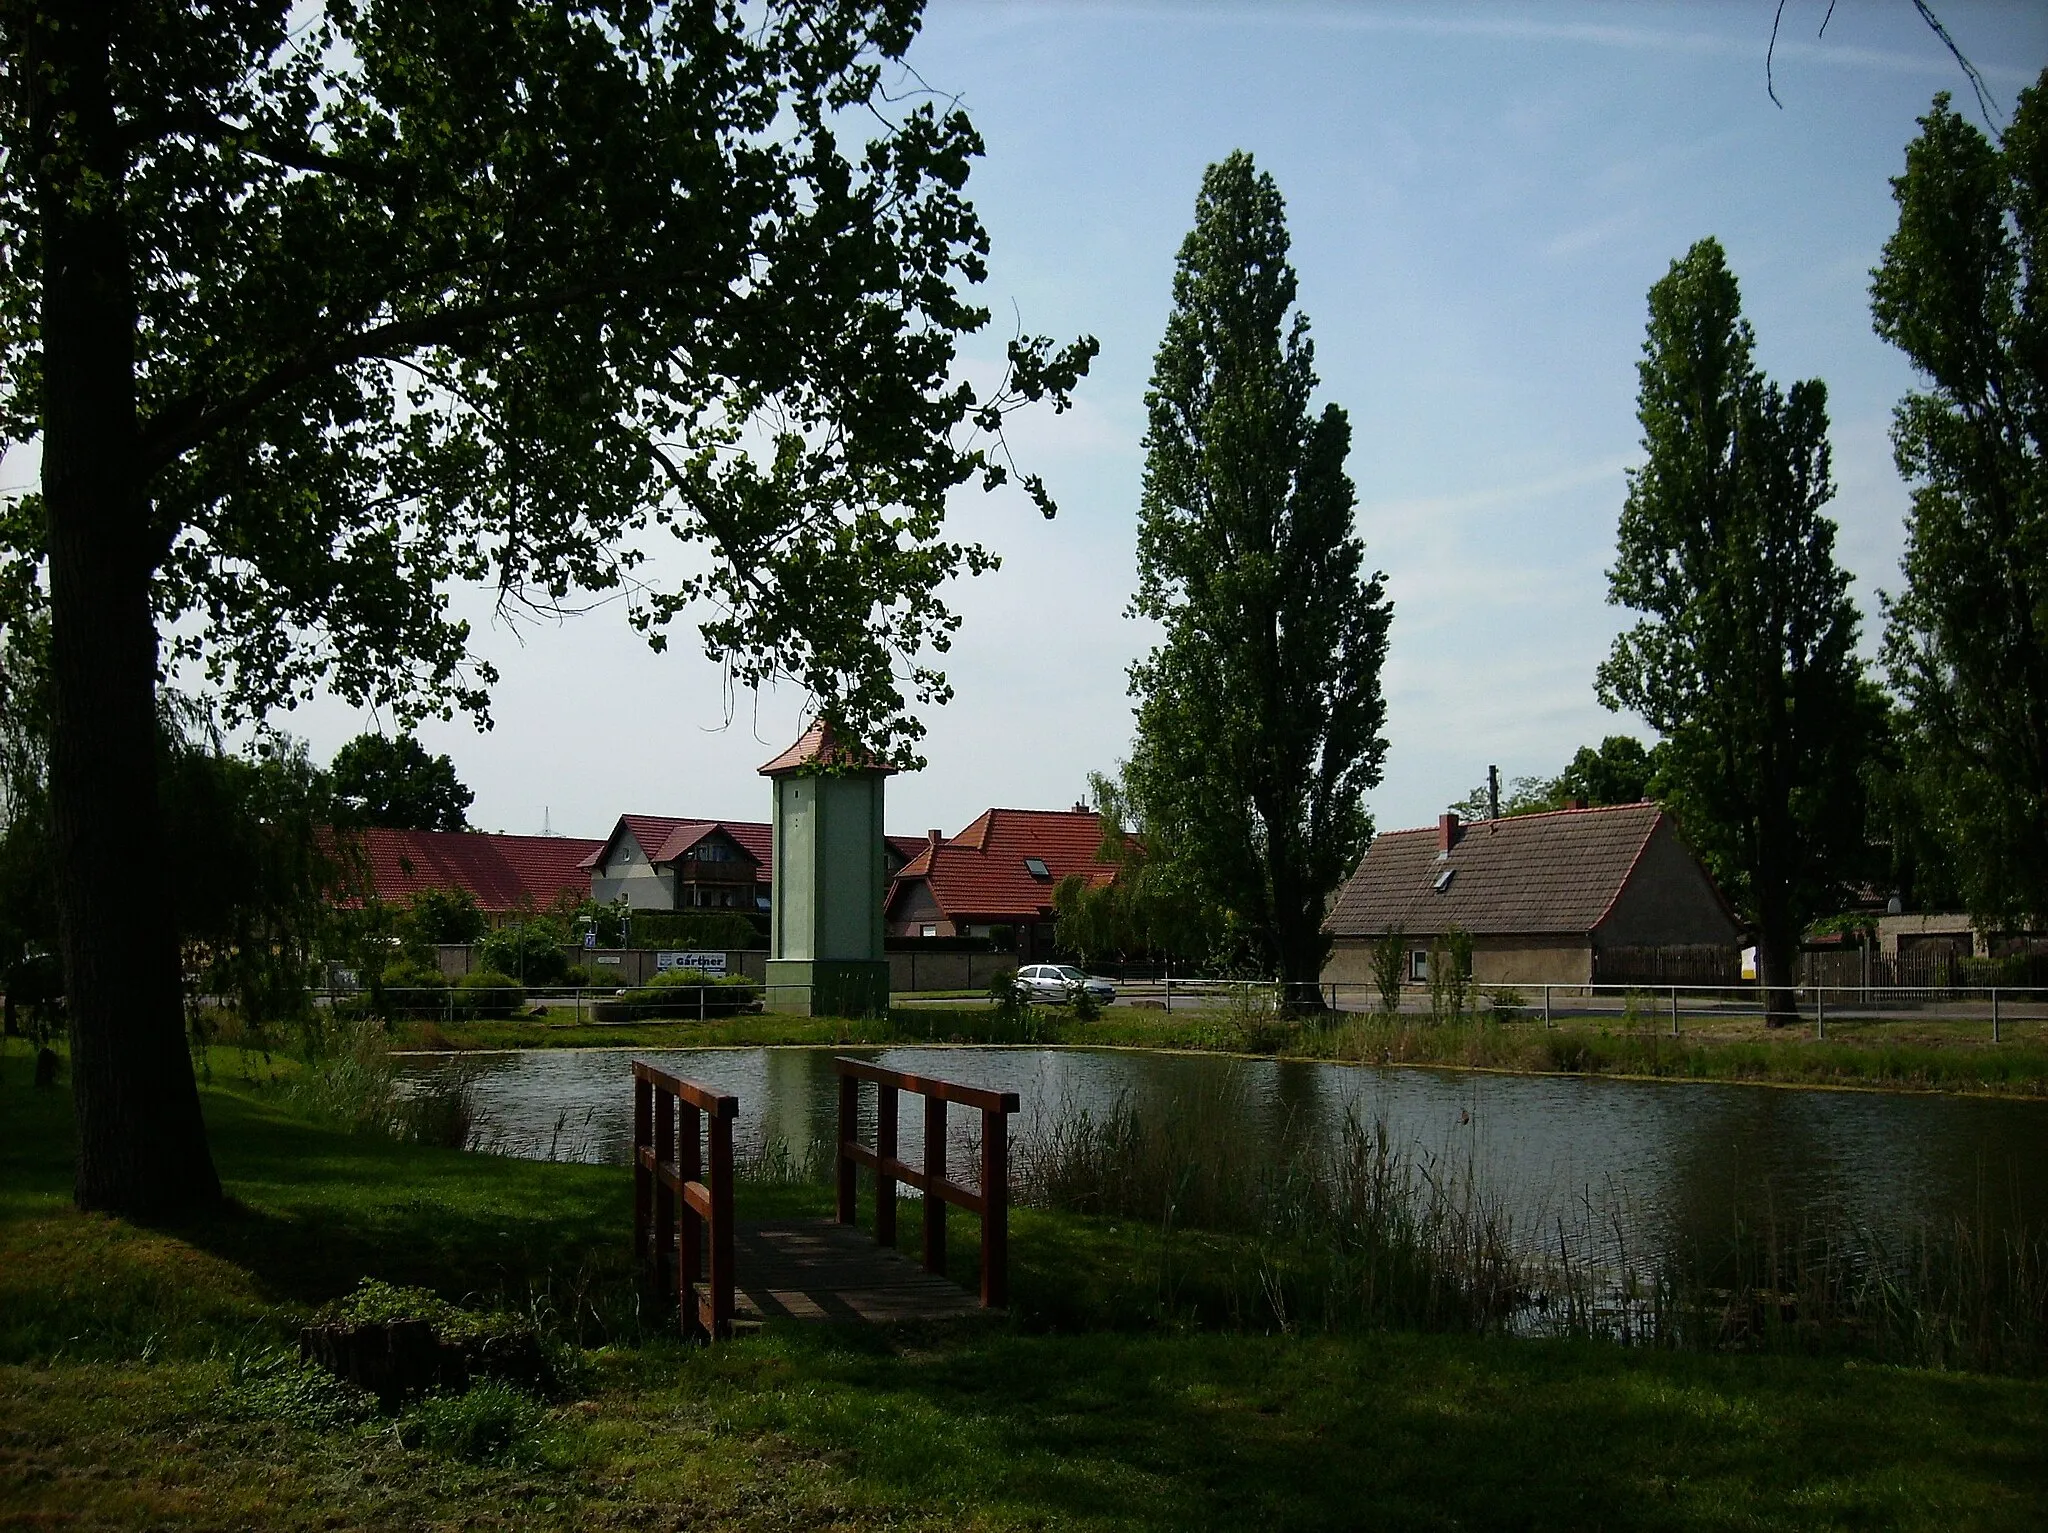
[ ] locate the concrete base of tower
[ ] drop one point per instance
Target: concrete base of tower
(828, 987)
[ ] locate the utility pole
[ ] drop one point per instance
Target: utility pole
(1493, 793)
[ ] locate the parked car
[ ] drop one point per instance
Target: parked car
(1056, 982)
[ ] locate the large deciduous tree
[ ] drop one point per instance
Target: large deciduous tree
(396, 783)
(1259, 713)
(1963, 290)
(313, 312)
(1745, 659)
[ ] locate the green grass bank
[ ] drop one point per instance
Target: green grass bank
(1903, 1055)
(133, 1393)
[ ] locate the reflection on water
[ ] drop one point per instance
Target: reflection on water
(1635, 1160)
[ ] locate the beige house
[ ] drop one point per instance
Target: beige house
(1610, 895)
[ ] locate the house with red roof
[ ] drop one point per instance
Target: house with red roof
(656, 862)
(999, 871)
(1608, 895)
(504, 874)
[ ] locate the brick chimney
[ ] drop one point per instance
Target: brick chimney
(1575, 803)
(932, 838)
(1446, 832)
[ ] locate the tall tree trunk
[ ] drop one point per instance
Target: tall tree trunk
(141, 1139)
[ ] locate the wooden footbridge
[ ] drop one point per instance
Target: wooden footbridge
(719, 1271)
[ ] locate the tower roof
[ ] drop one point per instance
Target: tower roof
(817, 746)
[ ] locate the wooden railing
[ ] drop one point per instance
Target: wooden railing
(991, 1201)
(682, 1192)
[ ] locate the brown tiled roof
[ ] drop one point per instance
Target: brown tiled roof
(1554, 873)
(503, 872)
(980, 873)
(817, 746)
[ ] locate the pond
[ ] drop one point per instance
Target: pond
(1620, 1162)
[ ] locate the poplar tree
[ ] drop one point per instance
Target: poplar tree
(1745, 658)
(1960, 291)
(1259, 714)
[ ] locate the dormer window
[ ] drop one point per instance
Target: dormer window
(1036, 867)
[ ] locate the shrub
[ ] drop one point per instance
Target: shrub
(683, 993)
(715, 930)
(1506, 1003)
(412, 989)
(1389, 959)
(486, 993)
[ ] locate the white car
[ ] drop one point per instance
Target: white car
(1056, 982)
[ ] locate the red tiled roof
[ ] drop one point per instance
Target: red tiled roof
(1555, 873)
(502, 872)
(980, 873)
(664, 838)
(818, 745)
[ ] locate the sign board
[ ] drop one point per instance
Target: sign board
(703, 963)
(609, 958)
(590, 939)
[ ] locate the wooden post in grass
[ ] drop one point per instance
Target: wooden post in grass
(1994, 1014)
(995, 1217)
(1546, 1006)
(886, 1099)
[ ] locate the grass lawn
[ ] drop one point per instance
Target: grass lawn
(1904, 1055)
(1092, 1406)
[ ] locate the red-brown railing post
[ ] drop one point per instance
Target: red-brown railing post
(995, 1209)
(849, 1132)
(885, 1150)
(664, 1194)
(669, 1169)
(934, 1176)
(690, 1227)
(643, 1177)
(720, 1325)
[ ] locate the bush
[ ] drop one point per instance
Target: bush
(1506, 1003)
(683, 993)
(487, 993)
(414, 990)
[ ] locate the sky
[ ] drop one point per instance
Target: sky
(1479, 199)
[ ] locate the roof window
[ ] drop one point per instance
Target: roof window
(1036, 867)
(1443, 879)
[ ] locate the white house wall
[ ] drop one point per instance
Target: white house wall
(627, 873)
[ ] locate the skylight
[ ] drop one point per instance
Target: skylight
(1443, 879)
(1036, 867)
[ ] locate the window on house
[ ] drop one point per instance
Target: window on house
(1036, 867)
(1443, 879)
(928, 930)
(1418, 965)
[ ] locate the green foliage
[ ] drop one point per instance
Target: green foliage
(1450, 974)
(1506, 1004)
(445, 916)
(1959, 292)
(695, 930)
(1153, 904)
(1745, 658)
(395, 783)
(487, 993)
(1389, 967)
(487, 1423)
(554, 272)
(275, 1384)
(686, 993)
(1619, 771)
(1259, 714)
(530, 948)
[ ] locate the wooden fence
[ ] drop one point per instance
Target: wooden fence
(991, 1201)
(682, 1194)
(1701, 965)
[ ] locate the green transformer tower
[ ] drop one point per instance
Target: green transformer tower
(825, 922)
